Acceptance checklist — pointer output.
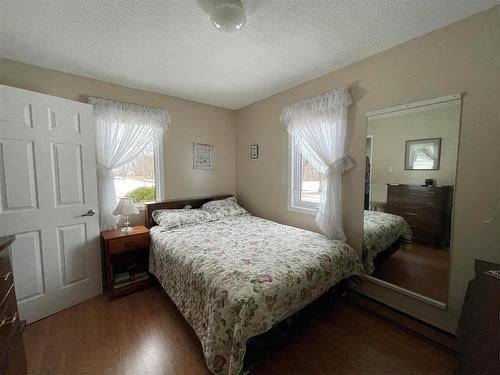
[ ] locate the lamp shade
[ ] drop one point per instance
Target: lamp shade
(125, 207)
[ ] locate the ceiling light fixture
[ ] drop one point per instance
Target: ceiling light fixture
(228, 16)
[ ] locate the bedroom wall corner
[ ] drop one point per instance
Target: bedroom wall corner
(461, 57)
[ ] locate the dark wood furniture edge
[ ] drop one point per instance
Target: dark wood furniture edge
(16, 335)
(12, 348)
(6, 241)
(178, 203)
(479, 323)
(434, 334)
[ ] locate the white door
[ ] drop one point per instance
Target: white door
(47, 182)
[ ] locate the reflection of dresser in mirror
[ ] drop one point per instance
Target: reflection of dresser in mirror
(427, 209)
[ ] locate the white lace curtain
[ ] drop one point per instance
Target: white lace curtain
(317, 127)
(122, 133)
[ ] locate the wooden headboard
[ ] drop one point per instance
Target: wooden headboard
(178, 203)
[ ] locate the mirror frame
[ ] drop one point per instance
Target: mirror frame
(399, 108)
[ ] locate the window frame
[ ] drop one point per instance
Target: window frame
(295, 203)
(159, 166)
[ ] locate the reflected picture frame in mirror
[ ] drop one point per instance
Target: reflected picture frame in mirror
(423, 154)
(399, 194)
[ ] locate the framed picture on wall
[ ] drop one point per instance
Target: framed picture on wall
(202, 156)
(423, 154)
(254, 151)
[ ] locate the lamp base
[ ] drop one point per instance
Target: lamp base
(127, 228)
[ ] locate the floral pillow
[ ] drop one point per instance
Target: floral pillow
(170, 219)
(224, 207)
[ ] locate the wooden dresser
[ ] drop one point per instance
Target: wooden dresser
(478, 331)
(12, 356)
(427, 209)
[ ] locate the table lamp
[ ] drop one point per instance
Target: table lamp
(126, 207)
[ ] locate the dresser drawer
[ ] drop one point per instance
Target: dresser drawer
(128, 243)
(432, 211)
(416, 200)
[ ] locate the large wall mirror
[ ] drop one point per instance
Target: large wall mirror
(411, 162)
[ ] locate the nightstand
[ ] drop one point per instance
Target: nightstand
(125, 260)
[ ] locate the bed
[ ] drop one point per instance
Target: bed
(383, 234)
(236, 277)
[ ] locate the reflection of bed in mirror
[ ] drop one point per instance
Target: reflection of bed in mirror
(383, 235)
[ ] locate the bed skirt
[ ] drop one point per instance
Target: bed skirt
(260, 347)
(383, 255)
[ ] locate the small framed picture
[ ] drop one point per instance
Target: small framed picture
(423, 154)
(202, 156)
(254, 151)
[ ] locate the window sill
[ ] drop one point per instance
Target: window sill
(303, 210)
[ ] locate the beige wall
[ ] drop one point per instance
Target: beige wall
(191, 122)
(390, 134)
(462, 57)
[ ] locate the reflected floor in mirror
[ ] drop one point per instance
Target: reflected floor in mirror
(422, 269)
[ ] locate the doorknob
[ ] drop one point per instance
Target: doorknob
(89, 213)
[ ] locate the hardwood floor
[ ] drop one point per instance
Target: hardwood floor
(421, 269)
(145, 334)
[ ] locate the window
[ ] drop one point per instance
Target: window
(305, 183)
(142, 178)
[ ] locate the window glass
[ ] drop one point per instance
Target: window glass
(137, 178)
(306, 183)
(312, 183)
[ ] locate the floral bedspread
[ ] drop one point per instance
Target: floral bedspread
(380, 231)
(236, 277)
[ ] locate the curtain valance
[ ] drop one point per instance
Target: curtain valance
(126, 114)
(317, 104)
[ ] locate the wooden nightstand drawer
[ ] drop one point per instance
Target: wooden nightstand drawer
(125, 244)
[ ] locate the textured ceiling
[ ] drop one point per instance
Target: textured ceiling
(170, 47)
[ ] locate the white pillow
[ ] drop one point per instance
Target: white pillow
(169, 219)
(224, 207)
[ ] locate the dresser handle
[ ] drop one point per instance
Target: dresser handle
(129, 243)
(6, 276)
(7, 321)
(410, 213)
